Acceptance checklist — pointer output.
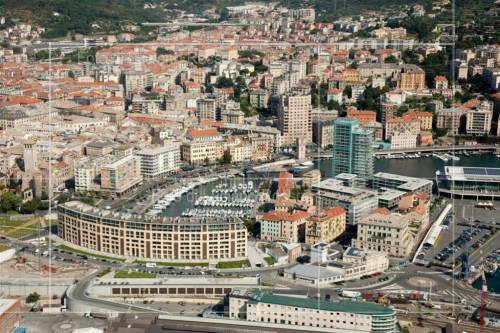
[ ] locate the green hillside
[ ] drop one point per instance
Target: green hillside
(78, 16)
(91, 16)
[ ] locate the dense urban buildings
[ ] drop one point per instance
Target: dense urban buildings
(354, 200)
(207, 163)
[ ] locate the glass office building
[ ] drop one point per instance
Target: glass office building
(469, 182)
(352, 149)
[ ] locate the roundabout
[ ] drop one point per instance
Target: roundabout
(421, 282)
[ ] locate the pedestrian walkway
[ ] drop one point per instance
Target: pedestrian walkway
(457, 296)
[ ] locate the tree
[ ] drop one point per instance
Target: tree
(88, 200)
(297, 192)
(226, 158)
(260, 67)
(161, 51)
(241, 85)
(347, 92)
(30, 207)
(33, 297)
(440, 132)
(9, 201)
(334, 105)
(252, 226)
(45, 54)
(245, 105)
(371, 97)
(224, 82)
(223, 14)
(43, 205)
(436, 64)
(410, 57)
(391, 60)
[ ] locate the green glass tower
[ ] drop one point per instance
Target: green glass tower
(352, 149)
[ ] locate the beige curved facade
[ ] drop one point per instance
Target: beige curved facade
(159, 238)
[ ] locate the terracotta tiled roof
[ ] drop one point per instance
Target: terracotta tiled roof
(382, 211)
(202, 132)
(284, 216)
(211, 123)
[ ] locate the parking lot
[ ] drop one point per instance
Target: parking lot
(464, 231)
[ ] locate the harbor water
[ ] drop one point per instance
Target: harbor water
(424, 167)
(493, 282)
(188, 200)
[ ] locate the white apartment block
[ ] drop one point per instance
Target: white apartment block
(401, 140)
(160, 161)
(86, 171)
(241, 152)
(199, 152)
(479, 120)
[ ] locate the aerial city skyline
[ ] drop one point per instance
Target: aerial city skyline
(256, 166)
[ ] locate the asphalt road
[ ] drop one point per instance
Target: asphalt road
(78, 293)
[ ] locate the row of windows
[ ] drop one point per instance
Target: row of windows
(171, 291)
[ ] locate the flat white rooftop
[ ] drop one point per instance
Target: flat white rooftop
(458, 173)
(407, 183)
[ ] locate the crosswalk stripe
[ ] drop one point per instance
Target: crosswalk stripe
(392, 287)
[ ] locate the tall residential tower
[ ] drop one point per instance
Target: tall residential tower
(352, 149)
(295, 118)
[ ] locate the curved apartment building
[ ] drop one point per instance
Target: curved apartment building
(157, 238)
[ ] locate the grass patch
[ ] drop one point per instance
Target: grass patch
(266, 284)
(4, 247)
(18, 229)
(70, 249)
(21, 232)
(104, 272)
(134, 275)
(269, 260)
(11, 223)
(174, 264)
(233, 264)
